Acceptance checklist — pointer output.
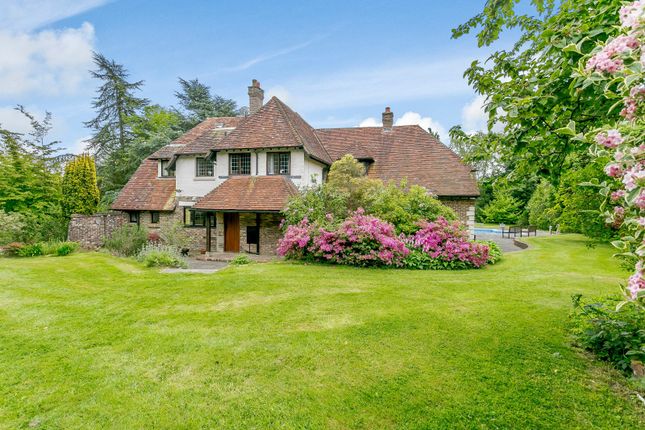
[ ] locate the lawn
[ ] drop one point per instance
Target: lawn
(92, 341)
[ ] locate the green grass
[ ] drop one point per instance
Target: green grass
(91, 341)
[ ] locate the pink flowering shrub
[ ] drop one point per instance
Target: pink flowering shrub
(447, 242)
(618, 66)
(361, 240)
(364, 240)
(295, 240)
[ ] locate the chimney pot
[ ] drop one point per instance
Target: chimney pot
(256, 97)
(388, 119)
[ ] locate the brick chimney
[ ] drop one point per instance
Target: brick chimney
(388, 119)
(256, 97)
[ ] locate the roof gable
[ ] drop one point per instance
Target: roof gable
(275, 125)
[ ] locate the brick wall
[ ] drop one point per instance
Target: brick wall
(90, 230)
(465, 210)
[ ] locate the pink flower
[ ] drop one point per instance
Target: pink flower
(632, 14)
(633, 177)
(636, 282)
(617, 195)
(640, 200)
(610, 139)
(613, 170)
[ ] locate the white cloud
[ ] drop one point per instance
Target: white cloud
(411, 118)
(46, 62)
(474, 118)
(370, 122)
(379, 84)
(27, 15)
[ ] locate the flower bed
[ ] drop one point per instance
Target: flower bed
(364, 240)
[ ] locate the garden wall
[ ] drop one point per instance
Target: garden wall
(90, 230)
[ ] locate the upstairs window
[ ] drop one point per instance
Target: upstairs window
(203, 167)
(278, 163)
(166, 171)
(239, 164)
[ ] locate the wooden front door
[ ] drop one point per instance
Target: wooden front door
(231, 232)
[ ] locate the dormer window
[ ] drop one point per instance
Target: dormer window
(239, 164)
(204, 168)
(278, 163)
(165, 171)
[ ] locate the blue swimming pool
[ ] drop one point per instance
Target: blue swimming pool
(487, 230)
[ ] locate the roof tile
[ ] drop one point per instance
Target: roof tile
(147, 192)
(249, 193)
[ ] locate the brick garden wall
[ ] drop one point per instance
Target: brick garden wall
(90, 230)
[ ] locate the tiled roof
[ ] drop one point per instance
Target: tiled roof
(404, 152)
(275, 125)
(249, 193)
(147, 192)
(166, 152)
(203, 137)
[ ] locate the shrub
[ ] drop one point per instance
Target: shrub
(11, 226)
(494, 251)
(348, 189)
(361, 240)
(504, 208)
(616, 336)
(405, 207)
(157, 255)
(540, 206)
(154, 236)
(66, 248)
(32, 250)
(448, 243)
(12, 249)
(127, 240)
(241, 260)
(175, 234)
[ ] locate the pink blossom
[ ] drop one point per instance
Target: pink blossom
(636, 282)
(617, 195)
(613, 170)
(610, 139)
(618, 155)
(640, 200)
(632, 14)
(633, 177)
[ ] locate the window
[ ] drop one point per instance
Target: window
(193, 218)
(134, 217)
(278, 163)
(203, 167)
(154, 217)
(239, 164)
(166, 171)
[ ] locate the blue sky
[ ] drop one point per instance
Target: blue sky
(338, 63)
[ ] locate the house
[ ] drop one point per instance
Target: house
(228, 178)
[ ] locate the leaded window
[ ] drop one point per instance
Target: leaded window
(203, 167)
(278, 163)
(239, 164)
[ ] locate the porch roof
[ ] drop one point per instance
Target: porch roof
(249, 194)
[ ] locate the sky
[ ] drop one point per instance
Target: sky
(337, 63)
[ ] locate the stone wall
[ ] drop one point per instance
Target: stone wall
(465, 210)
(90, 230)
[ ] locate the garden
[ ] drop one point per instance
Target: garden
(384, 312)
